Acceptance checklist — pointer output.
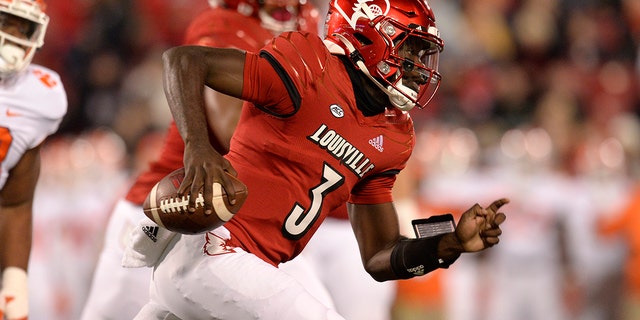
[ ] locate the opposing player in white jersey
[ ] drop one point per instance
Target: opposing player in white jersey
(32, 104)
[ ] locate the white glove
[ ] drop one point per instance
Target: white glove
(14, 295)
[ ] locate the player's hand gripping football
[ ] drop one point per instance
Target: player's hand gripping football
(203, 167)
(14, 304)
(479, 228)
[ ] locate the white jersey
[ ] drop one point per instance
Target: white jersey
(31, 108)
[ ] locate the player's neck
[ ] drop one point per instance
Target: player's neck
(9, 79)
(369, 99)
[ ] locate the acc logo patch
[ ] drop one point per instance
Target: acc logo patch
(336, 110)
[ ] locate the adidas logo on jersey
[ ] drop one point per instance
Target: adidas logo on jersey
(377, 143)
(151, 232)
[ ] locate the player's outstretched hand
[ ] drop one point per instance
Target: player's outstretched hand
(479, 228)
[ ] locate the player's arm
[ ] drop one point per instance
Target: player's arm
(187, 69)
(387, 255)
(223, 113)
(16, 203)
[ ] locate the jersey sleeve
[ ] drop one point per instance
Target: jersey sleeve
(263, 87)
(45, 91)
(289, 64)
(373, 190)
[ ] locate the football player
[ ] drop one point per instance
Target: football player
(326, 125)
(117, 292)
(33, 105)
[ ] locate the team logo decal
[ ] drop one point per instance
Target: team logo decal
(336, 110)
(377, 143)
(363, 9)
(216, 245)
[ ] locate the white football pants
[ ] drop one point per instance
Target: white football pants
(225, 283)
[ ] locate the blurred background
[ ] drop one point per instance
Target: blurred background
(539, 103)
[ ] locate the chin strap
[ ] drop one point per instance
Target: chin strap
(11, 58)
(397, 98)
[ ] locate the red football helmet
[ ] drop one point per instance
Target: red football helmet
(394, 42)
(275, 15)
(17, 50)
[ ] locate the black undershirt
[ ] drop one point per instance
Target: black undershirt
(369, 99)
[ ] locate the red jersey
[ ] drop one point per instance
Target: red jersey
(214, 27)
(305, 138)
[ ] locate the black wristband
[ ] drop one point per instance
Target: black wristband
(417, 257)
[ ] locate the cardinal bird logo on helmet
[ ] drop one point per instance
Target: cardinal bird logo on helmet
(368, 9)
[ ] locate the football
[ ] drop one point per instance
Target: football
(168, 210)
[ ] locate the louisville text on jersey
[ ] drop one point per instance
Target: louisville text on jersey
(340, 148)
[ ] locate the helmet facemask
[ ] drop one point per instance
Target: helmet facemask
(395, 44)
(410, 73)
(22, 28)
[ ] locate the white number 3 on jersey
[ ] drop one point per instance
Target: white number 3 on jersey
(300, 220)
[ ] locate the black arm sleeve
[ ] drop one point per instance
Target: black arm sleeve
(417, 257)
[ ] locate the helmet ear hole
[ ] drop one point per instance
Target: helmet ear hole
(364, 41)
